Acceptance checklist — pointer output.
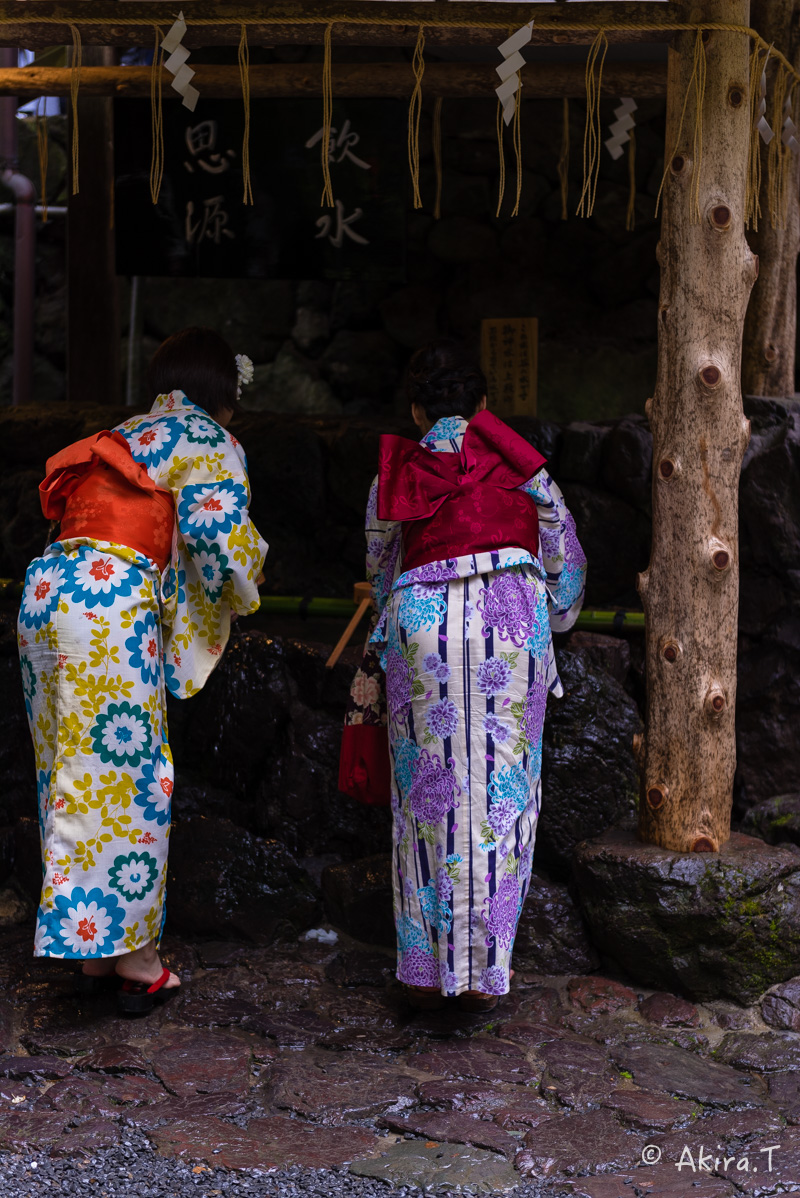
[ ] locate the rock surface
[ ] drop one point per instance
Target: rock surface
(589, 777)
(225, 881)
(451, 1167)
(713, 925)
(776, 820)
(551, 935)
(358, 898)
(780, 1007)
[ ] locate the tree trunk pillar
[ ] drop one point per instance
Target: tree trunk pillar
(770, 327)
(690, 589)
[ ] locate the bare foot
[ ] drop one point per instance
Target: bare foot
(144, 965)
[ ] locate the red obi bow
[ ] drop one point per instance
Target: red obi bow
(414, 482)
(96, 489)
(453, 504)
(69, 467)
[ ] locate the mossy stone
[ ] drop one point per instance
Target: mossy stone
(709, 925)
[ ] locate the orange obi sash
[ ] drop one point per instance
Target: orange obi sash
(96, 489)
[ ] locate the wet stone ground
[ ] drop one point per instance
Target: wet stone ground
(296, 1068)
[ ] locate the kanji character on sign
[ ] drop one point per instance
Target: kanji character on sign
(202, 140)
(343, 225)
(344, 142)
(210, 225)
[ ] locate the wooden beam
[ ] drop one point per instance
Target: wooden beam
(381, 79)
(39, 23)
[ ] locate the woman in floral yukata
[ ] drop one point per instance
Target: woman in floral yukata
(473, 559)
(155, 551)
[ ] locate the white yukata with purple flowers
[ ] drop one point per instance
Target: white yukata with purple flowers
(102, 636)
(468, 654)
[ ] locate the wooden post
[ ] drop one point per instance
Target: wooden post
(690, 589)
(93, 367)
(768, 351)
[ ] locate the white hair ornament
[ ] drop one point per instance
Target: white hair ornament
(245, 371)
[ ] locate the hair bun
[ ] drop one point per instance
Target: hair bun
(445, 379)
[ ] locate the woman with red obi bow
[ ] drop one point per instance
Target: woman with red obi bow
(473, 559)
(155, 550)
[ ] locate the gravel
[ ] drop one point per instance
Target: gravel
(134, 1170)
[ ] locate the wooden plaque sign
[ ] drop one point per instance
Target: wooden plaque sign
(509, 356)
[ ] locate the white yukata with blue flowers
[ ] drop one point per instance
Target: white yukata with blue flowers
(469, 661)
(102, 635)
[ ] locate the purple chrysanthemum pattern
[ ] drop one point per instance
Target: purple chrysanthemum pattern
(432, 572)
(418, 967)
(501, 912)
(508, 607)
(399, 683)
(433, 790)
(493, 676)
(493, 980)
(495, 727)
(442, 719)
(533, 709)
(432, 664)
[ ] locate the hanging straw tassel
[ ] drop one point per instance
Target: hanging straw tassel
(244, 72)
(437, 156)
(327, 119)
(752, 201)
(563, 161)
(630, 216)
(501, 188)
(592, 131)
(699, 92)
(156, 120)
(517, 140)
(776, 151)
(43, 148)
(414, 113)
(74, 84)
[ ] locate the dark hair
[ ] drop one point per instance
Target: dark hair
(445, 378)
(201, 364)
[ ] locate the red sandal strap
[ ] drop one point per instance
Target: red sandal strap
(132, 987)
(157, 985)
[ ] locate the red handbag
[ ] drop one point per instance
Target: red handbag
(365, 772)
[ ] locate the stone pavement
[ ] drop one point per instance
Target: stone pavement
(303, 1054)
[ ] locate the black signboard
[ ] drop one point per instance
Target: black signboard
(201, 227)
